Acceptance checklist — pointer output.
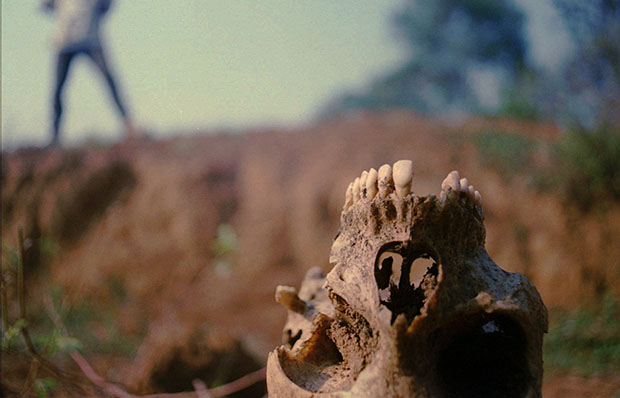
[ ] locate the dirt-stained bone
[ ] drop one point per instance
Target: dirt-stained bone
(413, 307)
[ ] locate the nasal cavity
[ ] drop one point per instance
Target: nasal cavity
(388, 269)
(418, 269)
(406, 276)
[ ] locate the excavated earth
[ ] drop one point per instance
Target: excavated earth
(134, 228)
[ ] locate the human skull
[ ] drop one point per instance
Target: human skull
(414, 305)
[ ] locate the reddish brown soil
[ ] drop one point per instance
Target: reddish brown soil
(568, 386)
(144, 216)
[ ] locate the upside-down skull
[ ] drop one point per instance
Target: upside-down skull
(413, 307)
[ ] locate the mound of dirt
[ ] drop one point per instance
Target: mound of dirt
(144, 220)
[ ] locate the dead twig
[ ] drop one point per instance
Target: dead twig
(239, 384)
(82, 363)
(21, 292)
(217, 392)
(21, 297)
(32, 375)
(221, 391)
(4, 303)
(117, 391)
(111, 389)
(201, 389)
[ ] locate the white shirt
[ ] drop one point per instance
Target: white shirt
(77, 24)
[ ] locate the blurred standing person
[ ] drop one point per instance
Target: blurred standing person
(76, 33)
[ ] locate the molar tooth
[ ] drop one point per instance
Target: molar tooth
(442, 196)
(371, 184)
(464, 184)
(403, 173)
(384, 176)
(451, 182)
(363, 182)
(356, 190)
(477, 198)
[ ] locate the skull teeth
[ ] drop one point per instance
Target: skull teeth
(348, 201)
(398, 177)
(363, 178)
(402, 174)
(453, 185)
(356, 190)
(464, 184)
(384, 179)
(451, 182)
(371, 184)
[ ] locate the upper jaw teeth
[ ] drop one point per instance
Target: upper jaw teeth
(373, 182)
(398, 177)
(363, 178)
(384, 176)
(464, 184)
(451, 182)
(348, 202)
(356, 189)
(452, 185)
(477, 198)
(402, 174)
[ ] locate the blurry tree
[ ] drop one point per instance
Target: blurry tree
(585, 93)
(450, 39)
(590, 82)
(457, 51)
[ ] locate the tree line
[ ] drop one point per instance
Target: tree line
(460, 50)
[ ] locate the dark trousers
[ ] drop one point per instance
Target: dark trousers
(62, 71)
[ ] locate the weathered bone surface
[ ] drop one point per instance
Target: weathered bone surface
(413, 307)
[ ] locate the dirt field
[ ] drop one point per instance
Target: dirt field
(177, 246)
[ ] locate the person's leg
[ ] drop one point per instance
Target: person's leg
(98, 57)
(62, 70)
(96, 54)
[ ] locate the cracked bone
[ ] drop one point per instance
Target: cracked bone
(466, 329)
(287, 296)
(402, 173)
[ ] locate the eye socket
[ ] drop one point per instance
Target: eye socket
(388, 269)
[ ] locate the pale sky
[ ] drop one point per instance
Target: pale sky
(198, 64)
